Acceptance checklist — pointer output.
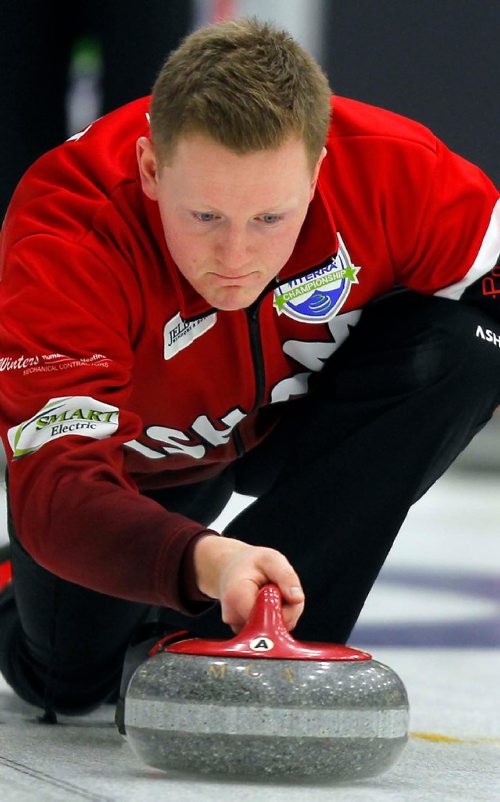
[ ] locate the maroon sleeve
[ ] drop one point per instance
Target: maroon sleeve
(66, 367)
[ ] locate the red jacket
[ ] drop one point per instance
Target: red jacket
(117, 377)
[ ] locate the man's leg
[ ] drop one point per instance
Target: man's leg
(390, 411)
(386, 417)
(62, 646)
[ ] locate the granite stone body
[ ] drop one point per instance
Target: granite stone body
(261, 717)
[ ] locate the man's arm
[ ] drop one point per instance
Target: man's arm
(445, 233)
(65, 421)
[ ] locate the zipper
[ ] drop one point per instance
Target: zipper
(257, 353)
(252, 314)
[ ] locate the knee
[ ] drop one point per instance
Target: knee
(468, 350)
(412, 343)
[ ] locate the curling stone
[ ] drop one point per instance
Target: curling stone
(264, 704)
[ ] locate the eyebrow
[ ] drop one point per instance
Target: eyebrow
(281, 208)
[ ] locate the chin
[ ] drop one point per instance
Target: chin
(234, 302)
(235, 306)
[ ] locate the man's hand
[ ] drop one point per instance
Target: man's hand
(233, 572)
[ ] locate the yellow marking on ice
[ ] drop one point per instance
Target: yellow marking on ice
(437, 737)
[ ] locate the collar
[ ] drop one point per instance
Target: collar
(316, 244)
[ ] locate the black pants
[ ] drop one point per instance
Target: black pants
(385, 417)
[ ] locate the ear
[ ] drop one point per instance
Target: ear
(315, 177)
(148, 167)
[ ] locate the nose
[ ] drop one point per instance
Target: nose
(233, 251)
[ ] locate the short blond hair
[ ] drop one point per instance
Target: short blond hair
(244, 83)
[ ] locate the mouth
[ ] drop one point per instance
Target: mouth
(244, 278)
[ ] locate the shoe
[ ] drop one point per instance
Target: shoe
(5, 568)
(149, 639)
(8, 611)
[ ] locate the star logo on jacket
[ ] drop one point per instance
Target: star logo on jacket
(319, 295)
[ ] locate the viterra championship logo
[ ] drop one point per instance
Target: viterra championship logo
(320, 295)
(77, 415)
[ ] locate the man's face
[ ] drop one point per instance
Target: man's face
(230, 221)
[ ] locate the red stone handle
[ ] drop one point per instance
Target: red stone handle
(265, 635)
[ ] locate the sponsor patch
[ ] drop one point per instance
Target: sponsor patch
(319, 296)
(178, 333)
(488, 335)
(50, 363)
(73, 415)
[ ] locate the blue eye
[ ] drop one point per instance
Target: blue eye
(204, 217)
(269, 219)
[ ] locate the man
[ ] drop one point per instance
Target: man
(181, 317)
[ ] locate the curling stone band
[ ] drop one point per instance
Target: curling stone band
(200, 718)
(344, 717)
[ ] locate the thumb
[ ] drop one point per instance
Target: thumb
(278, 570)
(291, 591)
